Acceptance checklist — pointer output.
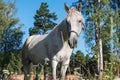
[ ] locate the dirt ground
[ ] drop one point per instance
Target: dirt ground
(32, 77)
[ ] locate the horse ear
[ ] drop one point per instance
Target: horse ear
(79, 7)
(66, 7)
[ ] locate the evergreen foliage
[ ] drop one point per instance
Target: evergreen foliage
(12, 62)
(78, 61)
(98, 15)
(44, 20)
(10, 37)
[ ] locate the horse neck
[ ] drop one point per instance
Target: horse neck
(63, 29)
(60, 30)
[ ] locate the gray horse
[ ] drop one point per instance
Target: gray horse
(57, 46)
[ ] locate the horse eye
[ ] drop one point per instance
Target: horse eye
(66, 21)
(79, 21)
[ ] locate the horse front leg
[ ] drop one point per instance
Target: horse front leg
(64, 68)
(54, 65)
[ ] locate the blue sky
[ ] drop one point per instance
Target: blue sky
(27, 9)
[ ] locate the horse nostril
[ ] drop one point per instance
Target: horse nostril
(75, 41)
(69, 42)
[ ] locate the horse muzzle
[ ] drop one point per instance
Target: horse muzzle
(72, 42)
(73, 39)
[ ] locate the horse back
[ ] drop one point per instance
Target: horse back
(31, 45)
(30, 40)
(33, 39)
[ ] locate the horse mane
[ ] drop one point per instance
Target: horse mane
(62, 30)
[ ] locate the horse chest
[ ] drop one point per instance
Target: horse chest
(64, 53)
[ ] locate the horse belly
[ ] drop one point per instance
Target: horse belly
(38, 54)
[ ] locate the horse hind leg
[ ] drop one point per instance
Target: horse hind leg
(27, 65)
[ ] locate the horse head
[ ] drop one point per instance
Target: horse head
(75, 23)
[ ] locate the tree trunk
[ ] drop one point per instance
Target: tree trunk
(99, 51)
(99, 48)
(100, 59)
(111, 34)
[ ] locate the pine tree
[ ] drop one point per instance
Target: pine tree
(44, 20)
(10, 35)
(77, 62)
(97, 34)
(2, 19)
(13, 62)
